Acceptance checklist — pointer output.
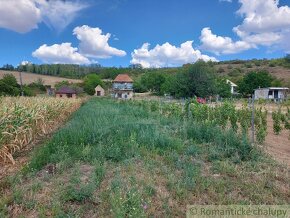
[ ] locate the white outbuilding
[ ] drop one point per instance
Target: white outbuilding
(272, 93)
(234, 87)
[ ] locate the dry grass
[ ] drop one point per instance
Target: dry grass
(28, 78)
(23, 119)
(279, 72)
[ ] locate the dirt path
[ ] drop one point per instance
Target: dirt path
(278, 146)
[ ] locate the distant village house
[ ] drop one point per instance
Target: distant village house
(123, 87)
(234, 87)
(66, 92)
(272, 93)
(99, 91)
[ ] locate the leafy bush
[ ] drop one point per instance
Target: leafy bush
(91, 81)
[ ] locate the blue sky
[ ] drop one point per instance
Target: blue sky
(71, 31)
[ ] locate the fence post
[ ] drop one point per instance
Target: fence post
(253, 119)
(189, 110)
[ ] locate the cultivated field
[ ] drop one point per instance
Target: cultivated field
(137, 159)
(28, 78)
(24, 119)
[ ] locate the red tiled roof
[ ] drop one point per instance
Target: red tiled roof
(123, 78)
(65, 90)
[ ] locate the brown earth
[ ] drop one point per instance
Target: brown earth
(278, 146)
(28, 78)
(278, 72)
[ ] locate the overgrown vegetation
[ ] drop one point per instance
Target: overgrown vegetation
(125, 159)
(10, 87)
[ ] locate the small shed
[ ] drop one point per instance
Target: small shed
(99, 91)
(66, 92)
(275, 93)
(233, 87)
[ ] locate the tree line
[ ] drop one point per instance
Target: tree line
(201, 79)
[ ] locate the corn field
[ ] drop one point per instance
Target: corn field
(23, 119)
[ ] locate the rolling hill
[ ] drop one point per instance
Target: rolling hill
(28, 78)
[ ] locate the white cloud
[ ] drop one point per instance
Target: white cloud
(94, 44)
(19, 15)
(167, 55)
(59, 14)
(24, 63)
(262, 16)
(265, 23)
(24, 15)
(60, 54)
(221, 45)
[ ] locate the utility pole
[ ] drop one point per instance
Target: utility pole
(21, 84)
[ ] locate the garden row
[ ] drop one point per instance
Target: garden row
(23, 119)
(225, 115)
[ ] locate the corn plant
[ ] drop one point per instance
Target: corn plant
(24, 119)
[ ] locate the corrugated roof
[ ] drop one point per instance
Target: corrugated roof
(123, 78)
(65, 90)
(274, 88)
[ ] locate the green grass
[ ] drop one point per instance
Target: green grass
(119, 159)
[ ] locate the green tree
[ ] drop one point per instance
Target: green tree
(287, 58)
(196, 80)
(223, 88)
(10, 80)
(153, 81)
(91, 81)
(9, 86)
(254, 80)
(139, 86)
(168, 87)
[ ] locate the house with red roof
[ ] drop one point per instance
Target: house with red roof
(122, 87)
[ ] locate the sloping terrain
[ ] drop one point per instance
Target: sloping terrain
(28, 78)
(277, 71)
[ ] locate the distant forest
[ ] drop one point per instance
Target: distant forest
(73, 71)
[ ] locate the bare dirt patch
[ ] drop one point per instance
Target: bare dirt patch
(278, 146)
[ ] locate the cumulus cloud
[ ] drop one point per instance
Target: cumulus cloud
(24, 15)
(265, 23)
(262, 16)
(19, 15)
(221, 45)
(60, 54)
(167, 55)
(94, 44)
